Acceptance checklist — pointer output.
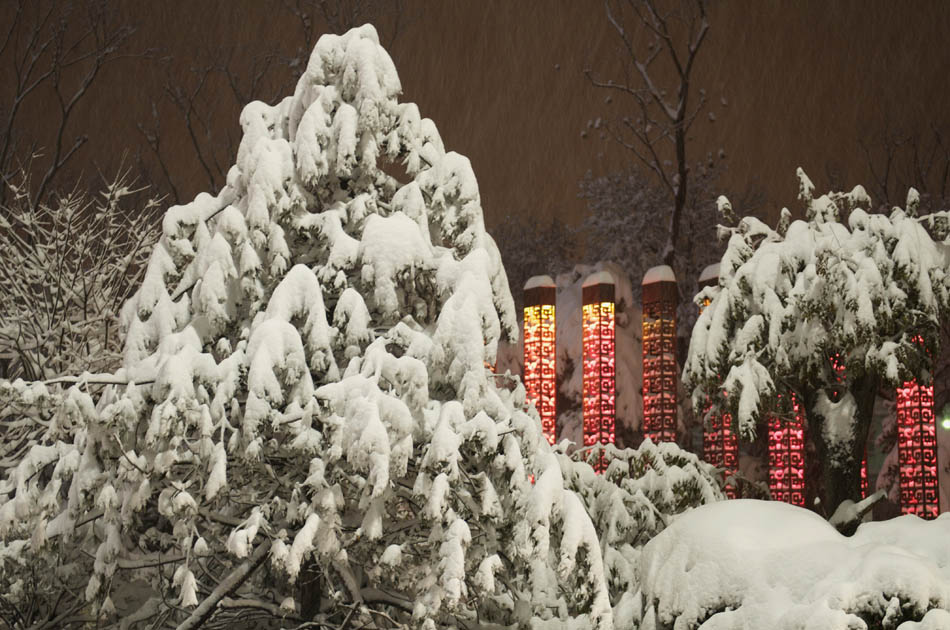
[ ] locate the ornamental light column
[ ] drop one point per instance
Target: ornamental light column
(540, 351)
(660, 373)
(599, 362)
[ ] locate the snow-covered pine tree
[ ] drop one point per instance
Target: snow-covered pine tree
(304, 426)
(869, 294)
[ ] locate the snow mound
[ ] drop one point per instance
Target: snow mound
(758, 564)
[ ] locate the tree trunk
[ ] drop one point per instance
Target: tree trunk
(679, 197)
(840, 463)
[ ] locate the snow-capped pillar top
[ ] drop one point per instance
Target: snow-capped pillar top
(599, 277)
(659, 286)
(599, 287)
(660, 273)
(709, 276)
(539, 290)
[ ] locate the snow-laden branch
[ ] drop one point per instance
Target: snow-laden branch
(228, 585)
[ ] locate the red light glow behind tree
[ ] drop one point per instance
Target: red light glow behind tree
(787, 458)
(720, 446)
(660, 372)
(838, 367)
(540, 351)
(599, 362)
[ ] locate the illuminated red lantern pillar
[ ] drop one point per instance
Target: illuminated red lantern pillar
(540, 374)
(720, 447)
(599, 362)
(917, 450)
(787, 458)
(660, 297)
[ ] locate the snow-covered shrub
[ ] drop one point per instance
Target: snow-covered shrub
(67, 264)
(304, 425)
(868, 294)
(642, 491)
(757, 564)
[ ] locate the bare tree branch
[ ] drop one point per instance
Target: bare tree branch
(678, 33)
(61, 47)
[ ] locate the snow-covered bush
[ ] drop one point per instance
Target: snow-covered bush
(304, 426)
(757, 564)
(641, 492)
(67, 264)
(868, 294)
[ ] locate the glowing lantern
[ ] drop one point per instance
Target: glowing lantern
(540, 374)
(660, 373)
(599, 362)
(720, 447)
(917, 450)
(787, 458)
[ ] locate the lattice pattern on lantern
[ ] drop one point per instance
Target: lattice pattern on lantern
(599, 363)
(917, 450)
(540, 373)
(659, 354)
(787, 458)
(721, 449)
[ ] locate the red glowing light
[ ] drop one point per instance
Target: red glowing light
(659, 354)
(787, 458)
(864, 476)
(540, 374)
(721, 449)
(720, 446)
(917, 450)
(838, 366)
(599, 367)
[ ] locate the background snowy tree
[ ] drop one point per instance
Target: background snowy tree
(900, 157)
(621, 226)
(870, 293)
(531, 248)
(659, 207)
(304, 428)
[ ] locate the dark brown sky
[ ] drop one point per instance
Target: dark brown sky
(502, 79)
